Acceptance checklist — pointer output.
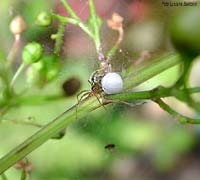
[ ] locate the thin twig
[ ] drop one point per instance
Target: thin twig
(23, 123)
(59, 38)
(75, 22)
(16, 75)
(182, 119)
(15, 47)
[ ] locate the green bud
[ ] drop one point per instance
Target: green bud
(32, 53)
(52, 67)
(44, 19)
(48, 67)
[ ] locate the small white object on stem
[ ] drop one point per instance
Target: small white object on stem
(112, 83)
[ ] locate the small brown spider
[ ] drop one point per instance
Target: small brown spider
(96, 87)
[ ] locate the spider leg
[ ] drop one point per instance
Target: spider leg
(85, 95)
(96, 95)
(81, 93)
(127, 103)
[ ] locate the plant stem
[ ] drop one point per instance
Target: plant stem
(75, 22)
(64, 19)
(183, 82)
(16, 75)
(36, 99)
(182, 119)
(13, 51)
(75, 17)
(23, 123)
(23, 175)
(113, 50)
(6, 80)
(187, 66)
(147, 72)
(59, 38)
(95, 35)
(155, 93)
(47, 132)
(69, 10)
(93, 16)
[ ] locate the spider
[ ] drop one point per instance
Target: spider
(96, 87)
(102, 83)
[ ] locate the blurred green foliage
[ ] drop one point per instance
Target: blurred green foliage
(184, 29)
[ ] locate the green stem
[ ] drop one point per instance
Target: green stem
(16, 75)
(147, 72)
(64, 19)
(59, 38)
(115, 47)
(75, 17)
(13, 51)
(155, 93)
(47, 132)
(75, 22)
(112, 51)
(28, 100)
(182, 119)
(36, 99)
(6, 81)
(187, 66)
(23, 175)
(95, 24)
(23, 123)
(69, 10)
(183, 82)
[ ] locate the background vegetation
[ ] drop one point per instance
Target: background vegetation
(149, 144)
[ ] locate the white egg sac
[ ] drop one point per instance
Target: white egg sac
(112, 83)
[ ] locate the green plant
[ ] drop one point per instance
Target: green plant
(44, 68)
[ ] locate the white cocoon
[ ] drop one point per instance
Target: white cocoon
(112, 83)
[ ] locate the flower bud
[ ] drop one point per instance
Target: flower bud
(44, 19)
(46, 69)
(51, 67)
(18, 25)
(32, 53)
(115, 22)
